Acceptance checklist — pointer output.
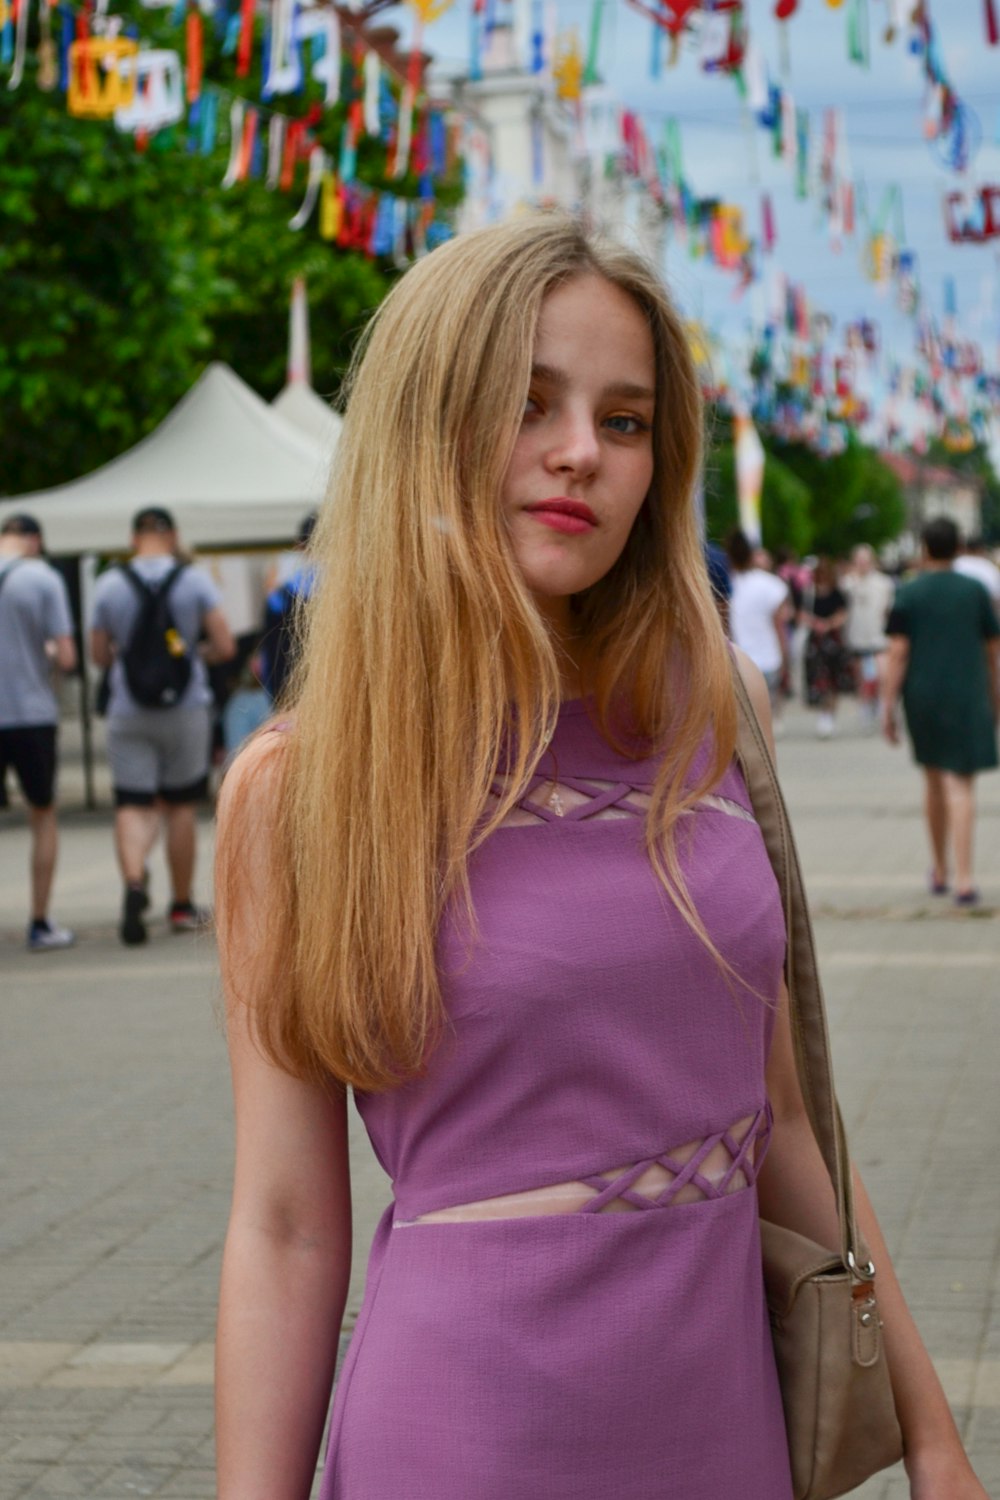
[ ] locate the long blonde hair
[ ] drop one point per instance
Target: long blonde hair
(423, 649)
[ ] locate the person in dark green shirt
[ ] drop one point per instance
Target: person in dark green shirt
(944, 656)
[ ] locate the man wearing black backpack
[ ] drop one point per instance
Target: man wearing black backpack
(148, 619)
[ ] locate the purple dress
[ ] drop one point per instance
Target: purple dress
(592, 1355)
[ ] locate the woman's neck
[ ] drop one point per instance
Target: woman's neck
(557, 616)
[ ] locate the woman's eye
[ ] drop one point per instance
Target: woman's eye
(626, 424)
(531, 406)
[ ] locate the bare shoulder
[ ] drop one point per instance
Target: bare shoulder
(253, 788)
(753, 681)
(251, 822)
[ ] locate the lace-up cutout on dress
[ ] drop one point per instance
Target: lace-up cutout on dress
(712, 1167)
(578, 799)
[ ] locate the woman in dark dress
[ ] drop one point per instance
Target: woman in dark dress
(944, 651)
(828, 666)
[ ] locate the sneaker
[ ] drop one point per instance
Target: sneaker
(824, 726)
(966, 898)
(44, 934)
(133, 929)
(184, 916)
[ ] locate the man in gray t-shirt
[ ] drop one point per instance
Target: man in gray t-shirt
(159, 756)
(36, 629)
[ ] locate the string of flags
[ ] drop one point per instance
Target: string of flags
(315, 56)
(98, 60)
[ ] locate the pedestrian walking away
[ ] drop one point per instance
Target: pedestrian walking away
(36, 629)
(869, 598)
(495, 867)
(148, 618)
(944, 653)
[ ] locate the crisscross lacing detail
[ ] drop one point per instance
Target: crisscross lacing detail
(573, 799)
(713, 1167)
(683, 1171)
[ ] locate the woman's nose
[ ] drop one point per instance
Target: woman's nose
(575, 446)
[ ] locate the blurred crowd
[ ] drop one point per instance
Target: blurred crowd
(817, 626)
(180, 693)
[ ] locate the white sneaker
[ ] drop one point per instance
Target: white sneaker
(49, 935)
(824, 726)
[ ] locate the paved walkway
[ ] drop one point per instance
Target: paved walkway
(115, 1115)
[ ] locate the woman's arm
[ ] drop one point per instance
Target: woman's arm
(794, 1190)
(993, 672)
(288, 1248)
(897, 659)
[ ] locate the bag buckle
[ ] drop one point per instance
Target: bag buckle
(861, 1274)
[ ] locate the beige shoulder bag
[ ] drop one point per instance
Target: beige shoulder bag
(834, 1375)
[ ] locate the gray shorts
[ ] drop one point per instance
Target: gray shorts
(160, 753)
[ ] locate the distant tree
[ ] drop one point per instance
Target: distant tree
(854, 496)
(122, 273)
(105, 285)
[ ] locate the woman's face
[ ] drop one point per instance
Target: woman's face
(583, 459)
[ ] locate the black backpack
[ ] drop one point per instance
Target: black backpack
(156, 661)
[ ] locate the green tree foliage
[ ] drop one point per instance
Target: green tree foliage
(784, 503)
(105, 285)
(125, 272)
(785, 514)
(853, 496)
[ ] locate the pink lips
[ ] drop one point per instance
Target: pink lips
(569, 516)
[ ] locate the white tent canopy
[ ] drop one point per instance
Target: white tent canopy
(232, 470)
(299, 404)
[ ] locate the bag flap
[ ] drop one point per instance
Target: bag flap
(790, 1260)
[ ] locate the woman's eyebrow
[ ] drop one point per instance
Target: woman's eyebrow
(625, 389)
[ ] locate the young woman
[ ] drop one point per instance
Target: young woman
(497, 871)
(828, 665)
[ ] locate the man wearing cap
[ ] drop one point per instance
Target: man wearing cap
(159, 756)
(36, 629)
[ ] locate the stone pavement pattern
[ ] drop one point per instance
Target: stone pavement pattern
(115, 1116)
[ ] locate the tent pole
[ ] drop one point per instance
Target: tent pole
(87, 565)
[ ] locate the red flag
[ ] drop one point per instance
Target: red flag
(992, 30)
(194, 53)
(767, 216)
(245, 47)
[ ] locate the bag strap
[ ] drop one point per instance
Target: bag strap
(807, 1014)
(147, 590)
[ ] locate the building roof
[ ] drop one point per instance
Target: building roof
(910, 470)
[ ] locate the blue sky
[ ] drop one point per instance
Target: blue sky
(883, 112)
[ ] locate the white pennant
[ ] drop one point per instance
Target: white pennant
(317, 166)
(159, 91)
(20, 45)
(373, 76)
(236, 113)
(275, 151)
